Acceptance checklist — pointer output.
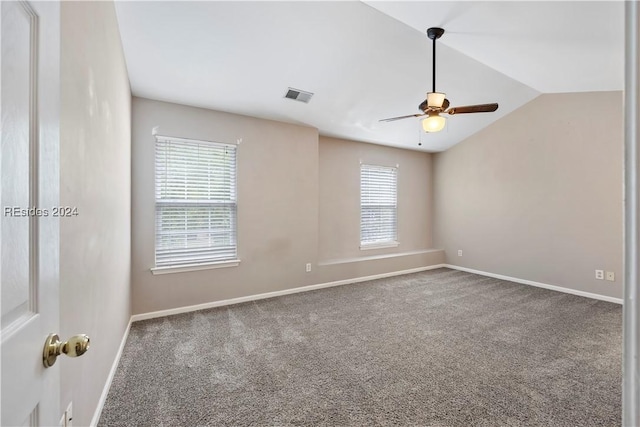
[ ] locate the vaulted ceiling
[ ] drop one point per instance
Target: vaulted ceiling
(365, 61)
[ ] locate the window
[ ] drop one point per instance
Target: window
(195, 202)
(378, 206)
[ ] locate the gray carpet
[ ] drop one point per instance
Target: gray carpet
(438, 348)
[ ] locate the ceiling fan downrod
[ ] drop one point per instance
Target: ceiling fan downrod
(434, 33)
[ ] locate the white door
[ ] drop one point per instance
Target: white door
(30, 38)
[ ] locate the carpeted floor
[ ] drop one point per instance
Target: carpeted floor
(438, 348)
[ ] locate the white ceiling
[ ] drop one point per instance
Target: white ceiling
(365, 62)
(551, 46)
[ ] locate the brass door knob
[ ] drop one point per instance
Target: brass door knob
(75, 346)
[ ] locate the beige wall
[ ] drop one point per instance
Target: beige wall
(340, 197)
(277, 216)
(538, 194)
(339, 254)
(95, 169)
(279, 208)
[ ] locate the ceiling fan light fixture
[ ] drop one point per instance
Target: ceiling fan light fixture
(435, 99)
(434, 123)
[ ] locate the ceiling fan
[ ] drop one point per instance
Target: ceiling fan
(436, 103)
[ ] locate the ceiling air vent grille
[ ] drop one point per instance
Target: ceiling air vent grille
(298, 95)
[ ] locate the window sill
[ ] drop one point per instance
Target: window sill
(194, 267)
(379, 246)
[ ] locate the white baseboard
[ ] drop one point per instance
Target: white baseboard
(537, 284)
(187, 309)
(112, 372)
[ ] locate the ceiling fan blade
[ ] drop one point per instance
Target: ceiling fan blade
(401, 117)
(481, 108)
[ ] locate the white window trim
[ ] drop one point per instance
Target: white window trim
(177, 139)
(155, 270)
(383, 244)
(194, 267)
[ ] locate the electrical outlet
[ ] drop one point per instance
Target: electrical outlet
(459, 252)
(611, 276)
(600, 274)
(308, 267)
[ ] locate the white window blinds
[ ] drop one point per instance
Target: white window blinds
(378, 205)
(195, 202)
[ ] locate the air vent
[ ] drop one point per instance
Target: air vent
(298, 95)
